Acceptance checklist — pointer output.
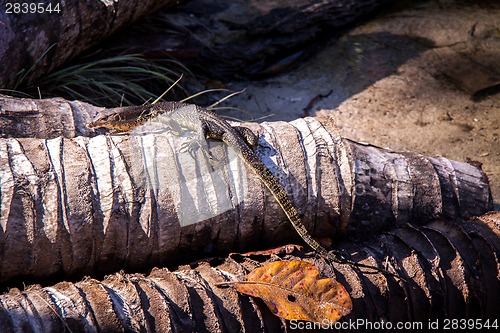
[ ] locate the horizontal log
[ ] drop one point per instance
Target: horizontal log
(76, 206)
(449, 271)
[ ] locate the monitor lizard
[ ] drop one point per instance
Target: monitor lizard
(241, 139)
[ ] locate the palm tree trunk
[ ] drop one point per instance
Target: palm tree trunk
(77, 206)
(450, 271)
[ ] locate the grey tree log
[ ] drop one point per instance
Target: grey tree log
(76, 206)
(44, 118)
(33, 43)
(450, 271)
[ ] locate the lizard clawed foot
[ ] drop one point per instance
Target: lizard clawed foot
(192, 146)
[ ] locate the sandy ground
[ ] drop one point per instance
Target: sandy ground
(404, 80)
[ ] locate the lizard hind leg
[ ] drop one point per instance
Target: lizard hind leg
(246, 134)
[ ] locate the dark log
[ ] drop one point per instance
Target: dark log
(225, 39)
(449, 271)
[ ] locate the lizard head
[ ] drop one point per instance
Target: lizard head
(104, 121)
(120, 119)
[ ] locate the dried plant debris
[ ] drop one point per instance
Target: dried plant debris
(292, 289)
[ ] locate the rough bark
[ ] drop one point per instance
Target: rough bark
(35, 43)
(44, 118)
(450, 271)
(75, 206)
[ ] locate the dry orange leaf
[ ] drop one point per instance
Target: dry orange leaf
(292, 290)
